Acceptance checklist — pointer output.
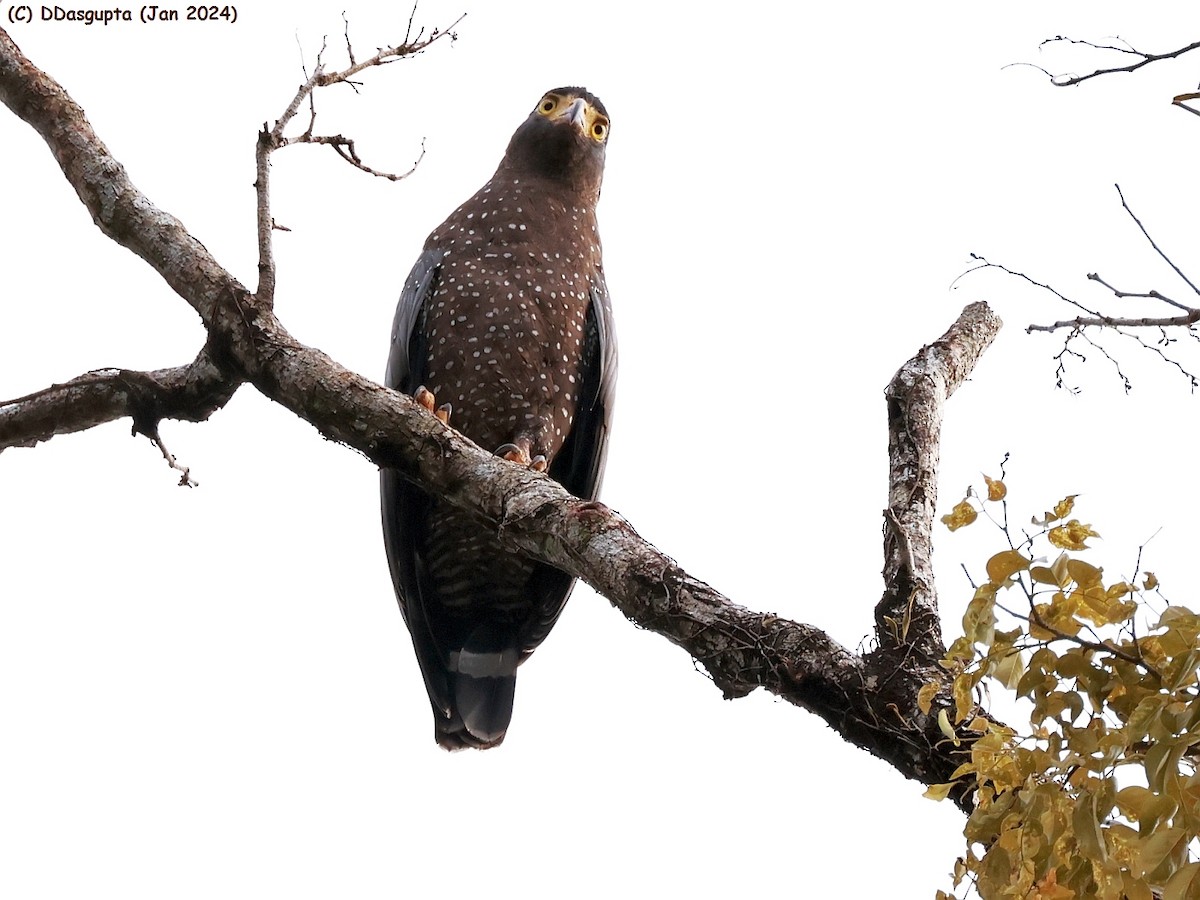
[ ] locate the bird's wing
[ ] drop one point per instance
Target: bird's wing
(405, 507)
(404, 356)
(579, 465)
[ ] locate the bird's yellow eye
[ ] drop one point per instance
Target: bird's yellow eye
(548, 105)
(599, 129)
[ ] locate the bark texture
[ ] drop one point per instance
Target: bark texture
(868, 698)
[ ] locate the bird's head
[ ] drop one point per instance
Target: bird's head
(563, 140)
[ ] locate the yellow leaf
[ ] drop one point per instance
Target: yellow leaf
(946, 727)
(1061, 508)
(925, 696)
(1002, 565)
(1118, 611)
(1085, 574)
(1147, 711)
(1064, 506)
(1087, 827)
(996, 489)
(1045, 575)
(962, 515)
(1072, 536)
(1009, 669)
(1057, 616)
(1157, 846)
(939, 791)
(1119, 590)
(1060, 569)
(1179, 887)
(1147, 808)
(962, 651)
(979, 618)
(980, 725)
(1150, 583)
(963, 692)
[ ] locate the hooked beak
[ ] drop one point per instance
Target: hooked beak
(576, 113)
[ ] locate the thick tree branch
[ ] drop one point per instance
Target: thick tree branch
(870, 700)
(907, 615)
(192, 392)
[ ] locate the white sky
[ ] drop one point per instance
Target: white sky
(210, 692)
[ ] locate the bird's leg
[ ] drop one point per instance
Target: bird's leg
(425, 397)
(519, 453)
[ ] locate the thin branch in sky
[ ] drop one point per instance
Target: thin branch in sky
(1170, 262)
(1143, 59)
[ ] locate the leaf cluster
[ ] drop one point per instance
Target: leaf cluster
(1101, 798)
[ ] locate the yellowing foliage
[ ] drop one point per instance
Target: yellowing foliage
(962, 514)
(1100, 795)
(995, 489)
(1071, 536)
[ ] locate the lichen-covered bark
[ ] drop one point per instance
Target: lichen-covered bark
(870, 699)
(192, 392)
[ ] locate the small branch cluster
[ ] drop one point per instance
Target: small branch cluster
(1080, 328)
(273, 138)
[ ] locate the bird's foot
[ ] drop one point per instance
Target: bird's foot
(425, 397)
(519, 453)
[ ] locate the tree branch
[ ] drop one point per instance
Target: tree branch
(1142, 59)
(1123, 325)
(272, 139)
(192, 392)
(870, 699)
(907, 615)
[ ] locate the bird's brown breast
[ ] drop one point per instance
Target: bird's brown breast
(505, 324)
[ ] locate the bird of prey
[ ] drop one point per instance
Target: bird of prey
(505, 320)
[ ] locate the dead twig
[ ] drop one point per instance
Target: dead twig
(1142, 59)
(273, 138)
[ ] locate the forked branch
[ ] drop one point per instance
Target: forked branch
(273, 138)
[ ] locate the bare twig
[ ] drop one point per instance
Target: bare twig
(1083, 335)
(1143, 59)
(346, 31)
(273, 138)
(345, 149)
(986, 264)
(185, 479)
(1157, 249)
(1148, 295)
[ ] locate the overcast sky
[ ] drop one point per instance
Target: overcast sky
(210, 692)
